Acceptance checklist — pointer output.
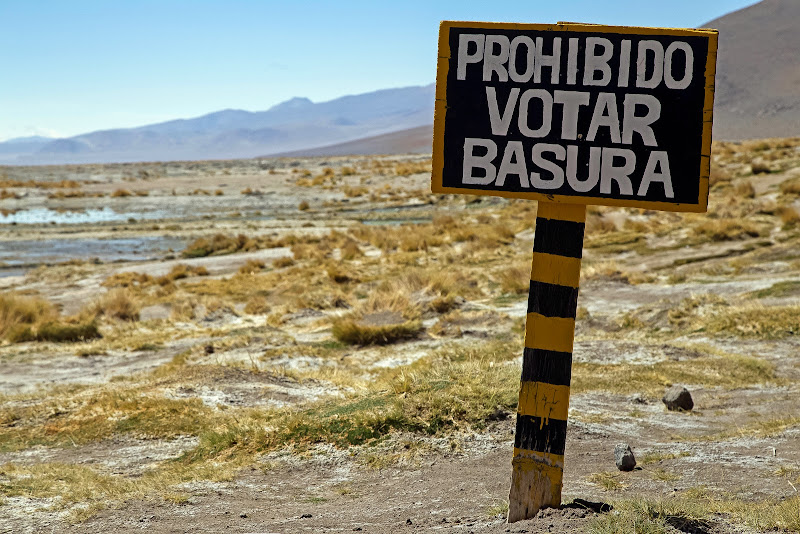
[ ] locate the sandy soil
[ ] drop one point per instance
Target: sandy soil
(459, 483)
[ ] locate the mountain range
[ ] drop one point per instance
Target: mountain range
(757, 95)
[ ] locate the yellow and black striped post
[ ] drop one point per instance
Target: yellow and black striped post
(538, 464)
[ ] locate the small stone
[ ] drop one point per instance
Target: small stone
(243, 515)
(678, 398)
(408, 522)
(623, 456)
(305, 516)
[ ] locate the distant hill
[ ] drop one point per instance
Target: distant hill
(411, 141)
(295, 124)
(12, 149)
(757, 95)
(758, 71)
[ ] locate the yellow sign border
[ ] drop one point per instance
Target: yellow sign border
(443, 65)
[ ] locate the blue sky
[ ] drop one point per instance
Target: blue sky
(70, 67)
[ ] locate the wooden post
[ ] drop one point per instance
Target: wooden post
(538, 464)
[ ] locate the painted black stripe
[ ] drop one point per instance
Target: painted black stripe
(548, 366)
(552, 300)
(562, 238)
(534, 436)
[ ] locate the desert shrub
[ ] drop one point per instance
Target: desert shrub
(118, 304)
(515, 280)
(309, 251)
(443, 304)
(789, 216)
(257, 306)
(757, 321)
(220, 244)
(350, 250)
(121, 193)
(303, 206)
(55, 331)
(181, 271)
(348, 171)
(61, 332)
(791, 187)
(18, 312)
(745, 190)
(338, 275)
(412, 167)
(355, 191)
(726, 229)
(719, 174)
(182, 309)
(285, 261)
(353, 332)
(252, 267)
(759, 167)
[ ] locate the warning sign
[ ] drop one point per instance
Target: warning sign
(575, 113)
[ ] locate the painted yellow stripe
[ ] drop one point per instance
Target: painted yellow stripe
(549, 333)
(559, 270)
(564, 212)
(547, 401)
(524, 456)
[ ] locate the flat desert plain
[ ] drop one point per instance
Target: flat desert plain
(322, 345)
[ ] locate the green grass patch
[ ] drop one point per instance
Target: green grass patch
(459, 388)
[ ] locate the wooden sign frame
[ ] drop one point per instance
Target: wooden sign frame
(441, 109)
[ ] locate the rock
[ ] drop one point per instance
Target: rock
(678, 398)
(623, 456)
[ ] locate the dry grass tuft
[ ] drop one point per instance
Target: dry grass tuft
(33, 319)
(790, 217)
(353, 331)
(222, 244)
(726, 229)
(17, 312)
(280, 263)
(745, 190)
(760, 167)
(756, 321)
(257, 306)
(118, 193)
(606, 480)
(117, 304)
(514, 280)
(252, 267)
(303, 206)
(409, 168)
(791, 187)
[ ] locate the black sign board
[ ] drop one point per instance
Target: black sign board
(575, 113)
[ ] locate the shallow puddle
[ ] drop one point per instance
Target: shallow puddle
(29, 252)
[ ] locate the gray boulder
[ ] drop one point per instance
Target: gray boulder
(623, 456)
(678, 398)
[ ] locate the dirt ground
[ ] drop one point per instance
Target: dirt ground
(661, 302)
